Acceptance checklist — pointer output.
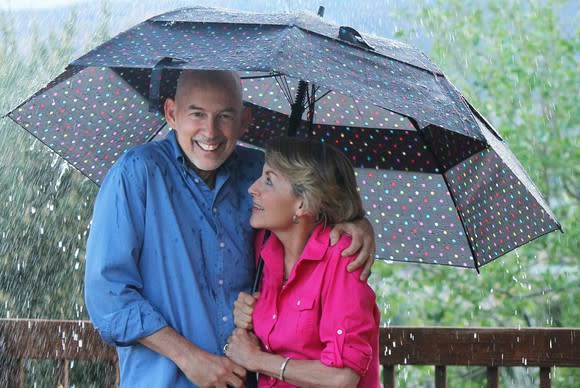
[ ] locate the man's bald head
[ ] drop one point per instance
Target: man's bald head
(194, 79)
(208, 116)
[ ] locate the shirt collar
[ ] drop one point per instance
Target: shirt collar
(314, 250)
(317, 244)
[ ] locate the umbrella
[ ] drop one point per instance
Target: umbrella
(438, 182)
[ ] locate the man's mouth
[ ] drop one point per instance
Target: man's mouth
(206, 146)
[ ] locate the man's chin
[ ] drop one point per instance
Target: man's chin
(205, 164)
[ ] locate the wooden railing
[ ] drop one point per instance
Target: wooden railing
(64, 341)
(490, 347)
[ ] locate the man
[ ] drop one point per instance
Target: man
(170, 245)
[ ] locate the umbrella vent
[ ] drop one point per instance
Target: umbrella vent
(350, 35)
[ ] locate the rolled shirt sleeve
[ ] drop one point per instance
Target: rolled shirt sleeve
(113, 282)
(350, 319)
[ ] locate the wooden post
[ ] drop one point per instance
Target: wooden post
(11, 372)
(61, 373)
(545, 378)
(440, 376)
(389, 376)
(492, 377)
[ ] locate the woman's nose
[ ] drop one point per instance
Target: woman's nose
(252, 189)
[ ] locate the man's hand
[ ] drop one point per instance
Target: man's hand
(209, 370)
(243, 308)
(201, 368)
(363, 242)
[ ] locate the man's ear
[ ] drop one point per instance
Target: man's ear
(246, 118)
(169, 110)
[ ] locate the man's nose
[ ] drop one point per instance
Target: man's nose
(211, 127)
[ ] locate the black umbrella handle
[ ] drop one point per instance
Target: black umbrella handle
(260, 267)
(258, 278)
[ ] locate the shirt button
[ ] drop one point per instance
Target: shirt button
(222, 244)
(225, 319)
(274, 316)
(220, 282)
(298, 303)
(339, 332)
(196, 180)
(215, 209)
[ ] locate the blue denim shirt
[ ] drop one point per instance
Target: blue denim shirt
(165, 250)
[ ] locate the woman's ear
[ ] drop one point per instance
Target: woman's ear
(303, 211)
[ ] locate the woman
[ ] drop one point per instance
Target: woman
(316, 322)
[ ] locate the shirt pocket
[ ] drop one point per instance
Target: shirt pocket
(306, 314)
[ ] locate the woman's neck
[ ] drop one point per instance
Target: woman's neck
(294, 241)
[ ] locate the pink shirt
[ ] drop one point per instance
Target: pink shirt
(323, 312)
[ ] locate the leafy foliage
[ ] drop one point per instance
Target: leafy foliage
(516, 62)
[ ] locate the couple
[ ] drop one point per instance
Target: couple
(170, 250)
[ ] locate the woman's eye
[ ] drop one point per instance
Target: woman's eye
(268, 181)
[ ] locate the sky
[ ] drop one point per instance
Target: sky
(35, 4)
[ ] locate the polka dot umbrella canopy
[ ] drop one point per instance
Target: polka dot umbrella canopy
(438, 182)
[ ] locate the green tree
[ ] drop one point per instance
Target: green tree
(517, 64)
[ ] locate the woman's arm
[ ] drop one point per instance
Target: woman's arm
(244, 349)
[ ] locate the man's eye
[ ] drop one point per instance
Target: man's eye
(197, 114)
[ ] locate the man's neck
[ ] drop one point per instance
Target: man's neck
(207, 176)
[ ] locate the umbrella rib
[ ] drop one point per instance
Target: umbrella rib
(461, 221)
(155, 133)
(322, 96)
(283, 85)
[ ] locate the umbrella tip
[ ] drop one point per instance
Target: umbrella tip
(320, 11)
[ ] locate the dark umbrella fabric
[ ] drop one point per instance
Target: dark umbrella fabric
(438, 182)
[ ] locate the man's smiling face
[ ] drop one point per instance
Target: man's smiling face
(208, 117)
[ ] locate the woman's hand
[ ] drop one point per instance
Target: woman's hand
(243, 308)
(243, 349)
(363, 242)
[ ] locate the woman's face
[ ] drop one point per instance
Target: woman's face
(274, 203)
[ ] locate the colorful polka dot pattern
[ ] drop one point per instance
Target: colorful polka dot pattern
(89, 118)
(437, 184)
(282, 44)
(497, 209)
(414, 218)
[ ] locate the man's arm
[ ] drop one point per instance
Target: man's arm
(201, 368)
(363, 242)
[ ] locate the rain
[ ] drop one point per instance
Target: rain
(515, 61)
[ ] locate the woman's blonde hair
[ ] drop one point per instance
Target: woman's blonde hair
(321, 174)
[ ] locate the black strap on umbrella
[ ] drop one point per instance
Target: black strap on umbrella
(155, 81)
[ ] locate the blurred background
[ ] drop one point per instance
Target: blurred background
(516, 61)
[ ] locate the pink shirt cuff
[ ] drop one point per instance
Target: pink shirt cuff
(354, 354)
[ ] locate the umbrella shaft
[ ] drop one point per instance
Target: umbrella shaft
(297, 108)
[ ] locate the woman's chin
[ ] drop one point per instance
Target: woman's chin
(255, 224)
